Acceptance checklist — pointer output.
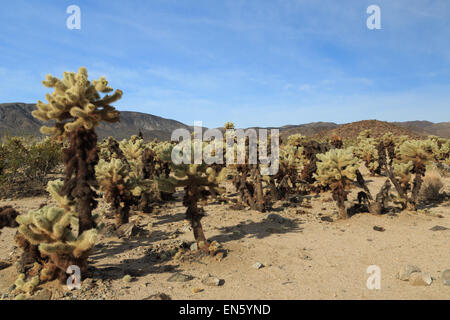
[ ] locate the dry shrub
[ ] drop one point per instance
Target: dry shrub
(431, 187)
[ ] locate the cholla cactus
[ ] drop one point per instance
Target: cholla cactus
(54, 189)
(76, 103)
(132, 148)
(367, 151)
(420, 153)
(310, 151)
(109, 149)
(403, 174)
(121, 186)
(441, 148)
(291, 163)
(336, 141)
(295, 140)
(229, 126)
(21, 285)
(199, 182)
(50, 230)
(337, 169)
(77, 108)
(8, 217)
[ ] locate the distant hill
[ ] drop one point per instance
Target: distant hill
(378, 128)
(309, 129)
(16, 119)
(441, 129)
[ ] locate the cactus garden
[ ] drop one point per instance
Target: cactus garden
(131, 220)
(224, 150)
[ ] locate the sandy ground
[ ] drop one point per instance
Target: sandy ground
(303, 256)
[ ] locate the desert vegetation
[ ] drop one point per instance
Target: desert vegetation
(137, 176)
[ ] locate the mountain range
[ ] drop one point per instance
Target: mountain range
(16, 119)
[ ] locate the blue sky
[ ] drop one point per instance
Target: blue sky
(253, 62)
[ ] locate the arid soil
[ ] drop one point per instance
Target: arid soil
(306, 253)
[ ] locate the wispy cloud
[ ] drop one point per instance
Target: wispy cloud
(252, 62)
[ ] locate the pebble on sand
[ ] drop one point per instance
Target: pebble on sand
(420, 279)
(406, 271)
(446, 277)
(258, 265)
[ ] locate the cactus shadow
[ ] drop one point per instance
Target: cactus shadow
(114, 247)
(259, 230)
(169, 218)
(148, 261)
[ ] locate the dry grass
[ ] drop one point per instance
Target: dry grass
(432, 187)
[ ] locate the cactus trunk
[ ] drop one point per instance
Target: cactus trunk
(122, 215)
(80, 159)
(194, 215)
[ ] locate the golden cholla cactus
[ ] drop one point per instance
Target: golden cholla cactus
(403, 174)
(367, 151)
(121, 185)
(24, 286)
(199, 181)
(229, 126)
(403, 171)
(50, 230)
(337, 169)
(420, 152)
(54, 189)
(441, 147)
(365, 134)
(335, 165)
(295, 140)
(76, 102)
(132, 148)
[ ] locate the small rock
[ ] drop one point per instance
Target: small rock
(194, 246)
(196, 290)
(258, 265)
(127, 230)
(127, 278)
(158, 296)
(326, 218)
(446, 277)
(439, 228)
(43, 295)
(179, 277)
(420, 279)
(406, 271)
(306, 257)
(220, 256)
(377, 228)
(212, 281)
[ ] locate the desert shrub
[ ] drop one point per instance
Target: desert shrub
(24, 159)
(431, 187)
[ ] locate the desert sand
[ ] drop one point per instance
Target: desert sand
(304, 254)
